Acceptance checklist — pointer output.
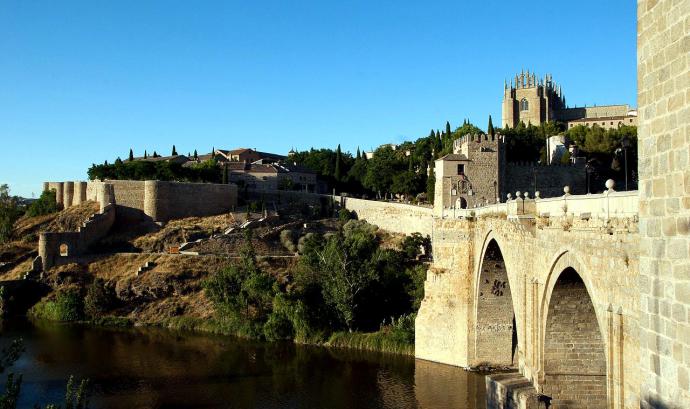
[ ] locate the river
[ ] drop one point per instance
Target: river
(157, 368)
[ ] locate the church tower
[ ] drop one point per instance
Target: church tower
(530, 100)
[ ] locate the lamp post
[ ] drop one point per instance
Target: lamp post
(625, 143)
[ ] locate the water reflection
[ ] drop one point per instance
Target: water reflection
(155, 368)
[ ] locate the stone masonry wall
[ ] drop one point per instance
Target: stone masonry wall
(160, 201)
(494, 328)
(550, 179)
(663, 77)
(535, 251)
(393, 217)
(574, 359)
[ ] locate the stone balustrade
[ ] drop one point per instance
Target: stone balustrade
(607, 205)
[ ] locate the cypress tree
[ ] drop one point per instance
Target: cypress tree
(195, 155)
(174, 151)
(131, 155)
(448, 129)
(146, 155)
(155, 154)
(359, 155)
(338, 158)
(490, 129)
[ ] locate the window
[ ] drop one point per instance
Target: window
(611, 123)
(461, 169)
(524, 105)
(64, 250)
(631, 120)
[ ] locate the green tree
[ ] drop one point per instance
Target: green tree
(243, 290)
(448, 132)
(9, 213)
(346, 268)
(490, 129)
(196, 156)
(45, 204)
(174, 151)
(431, 186)
(404, 183)
(337, 174)
(146, 155)
(131, 154)
(381, 169)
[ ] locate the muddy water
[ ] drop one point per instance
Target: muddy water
(155, 368)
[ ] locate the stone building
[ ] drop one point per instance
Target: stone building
(248, 155)
(534, 100)
(272, 176)
(477, 174)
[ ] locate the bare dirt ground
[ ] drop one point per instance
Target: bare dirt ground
(172, 285)
(16, 255)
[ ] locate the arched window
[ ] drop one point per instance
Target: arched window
(524, 105)
(64, 250)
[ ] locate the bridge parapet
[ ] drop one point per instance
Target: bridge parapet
(607, 205)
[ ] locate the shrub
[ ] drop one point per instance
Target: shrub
(9, 213)
(304, 241)
(67, 306)
(287, 239)
(413, 245)
(98, 299)
(45, 204)
(277, 327)
(344, 215)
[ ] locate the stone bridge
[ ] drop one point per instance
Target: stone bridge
(547, 287)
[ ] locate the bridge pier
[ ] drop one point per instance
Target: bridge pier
(541, 295)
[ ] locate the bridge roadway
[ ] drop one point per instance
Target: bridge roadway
(548, 287)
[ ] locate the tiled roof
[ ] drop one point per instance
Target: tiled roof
(454, 156)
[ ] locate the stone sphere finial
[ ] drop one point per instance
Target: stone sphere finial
(566, 189)
(509, 196)
(610, 184)
(537, 195)
(526, 195)
(517, 194)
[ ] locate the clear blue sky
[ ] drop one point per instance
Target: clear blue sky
(83, 81)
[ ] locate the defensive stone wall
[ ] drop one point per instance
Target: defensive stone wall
(663, 78)
(157, 200)
(550, 180)
(57, 248)
(393, 217)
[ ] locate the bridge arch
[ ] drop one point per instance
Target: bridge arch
(573, 354)
(495, 331)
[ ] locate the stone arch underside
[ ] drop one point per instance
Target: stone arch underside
(574, 349)
(495, 332)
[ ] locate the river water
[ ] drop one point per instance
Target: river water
(157, 368)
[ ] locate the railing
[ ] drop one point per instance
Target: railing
(607, 205)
